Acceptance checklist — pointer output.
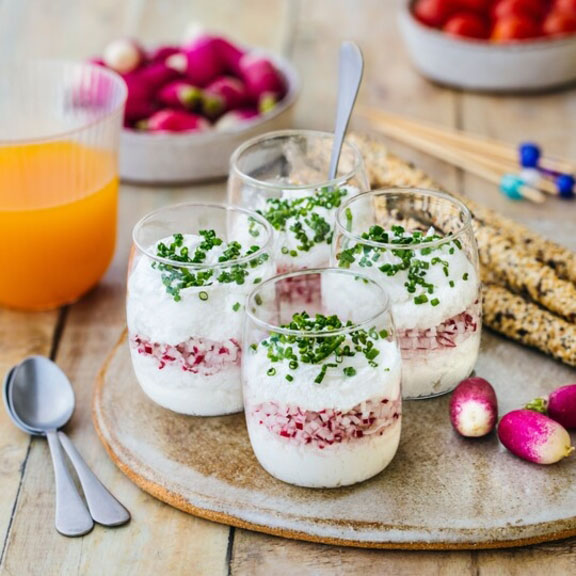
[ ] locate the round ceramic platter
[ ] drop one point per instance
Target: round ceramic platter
(440, 492)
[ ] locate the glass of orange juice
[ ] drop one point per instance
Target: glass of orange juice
(60, 126)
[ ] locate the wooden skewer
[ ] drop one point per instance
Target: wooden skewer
(449, 155)
(474, 143)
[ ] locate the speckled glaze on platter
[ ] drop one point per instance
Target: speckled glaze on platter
(440, 492)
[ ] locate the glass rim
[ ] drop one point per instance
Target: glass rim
(251, 301)
(234, 169)
(404, 191)
(114, 111)
(265, 248)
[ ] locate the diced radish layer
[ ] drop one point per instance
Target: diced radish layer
(446, 335)
(474, 408)
(534, 437)
(196, 355)
(330, 426)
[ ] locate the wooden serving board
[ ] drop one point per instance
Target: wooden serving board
(440, 492)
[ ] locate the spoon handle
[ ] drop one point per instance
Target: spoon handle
(349, 78)
(72, 516)
(104, 507)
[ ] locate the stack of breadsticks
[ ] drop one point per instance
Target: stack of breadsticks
(529, 291)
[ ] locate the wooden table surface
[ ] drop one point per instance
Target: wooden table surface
(161, 540)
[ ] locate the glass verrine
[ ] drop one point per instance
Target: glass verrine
(322, 393)
(191, 268)
(283, 176)
(420, 245)
(59, 136)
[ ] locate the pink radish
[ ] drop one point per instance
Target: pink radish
(230, 54)
(534, 437)
(200, 62)
(155, 75)
(474, 408)
(124, 55)
(560, 405)
(180, 94)
(137, 109)
(161, 53)
(174, 121)
(236, 118)
(224, 94)
(261, 76)
(267, 102)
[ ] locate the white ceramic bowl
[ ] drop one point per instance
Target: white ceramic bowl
(172, 158)
(479, 65)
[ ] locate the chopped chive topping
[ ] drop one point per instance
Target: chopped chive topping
(271, 372)
(295, 349)
(236, 307)
(434, 301)
(299, 216)
(258, 299)
(465, 276)
(177, 278)
(289, 377)
(451, 283)
(416, 268)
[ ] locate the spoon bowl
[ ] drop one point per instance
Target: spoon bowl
(41, 395)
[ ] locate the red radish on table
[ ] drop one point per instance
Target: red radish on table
(560, 405)
(173, 121)
(180, 94)
(124, 55)
(534, 437)
(474, 408)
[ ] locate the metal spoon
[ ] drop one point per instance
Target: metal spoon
(40, 399)
(349, 79)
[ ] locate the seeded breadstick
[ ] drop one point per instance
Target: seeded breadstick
(528, 324)
(524, 274)
(395, 172)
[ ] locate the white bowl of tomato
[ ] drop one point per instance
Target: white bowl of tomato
(492, 45)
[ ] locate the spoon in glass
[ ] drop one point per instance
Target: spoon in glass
(350, 73)
(40, 399)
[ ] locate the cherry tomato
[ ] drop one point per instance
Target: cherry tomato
(534, 9)
(558, 23)
(565, 6)
(479, 6)
(433, 12)
(514, 28)
(467, 24)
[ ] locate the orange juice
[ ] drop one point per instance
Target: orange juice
(58, 208)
